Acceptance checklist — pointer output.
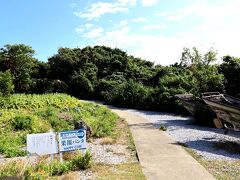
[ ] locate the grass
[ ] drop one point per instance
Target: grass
(23, 114)
(128, 171)
(124, 135)
(44, 169)
(221, 170)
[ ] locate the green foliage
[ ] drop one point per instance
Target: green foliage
(206, 75)
(23, 114)
(231, 71)
(45, 169)
(30, 123)
(82, 162)
(11, 144)
(111, 75)
(58, 168)
(6, 84)
(102, 121)
(81, 85)
(18, 59)
(22, 123)
(11, 169)
(22, 101)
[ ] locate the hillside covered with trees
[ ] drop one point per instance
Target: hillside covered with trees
(111, 75)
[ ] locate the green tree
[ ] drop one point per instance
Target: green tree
(63, 64)
(18, 58)
(231, 70)
(81, 86)
(6, 83)
(203, 70)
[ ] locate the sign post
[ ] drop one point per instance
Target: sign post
(46, 143)
(42, 143)
(72, 140)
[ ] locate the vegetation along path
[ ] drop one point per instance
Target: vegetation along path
(159, 155)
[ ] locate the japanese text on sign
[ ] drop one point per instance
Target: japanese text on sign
(72, 140)
(42, 143)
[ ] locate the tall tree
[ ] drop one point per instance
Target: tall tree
(204, 71)
(231, 70)
(18, 59)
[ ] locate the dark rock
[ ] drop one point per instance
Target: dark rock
(83, 125)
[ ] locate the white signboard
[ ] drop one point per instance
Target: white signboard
(72, 140)
(42, 143)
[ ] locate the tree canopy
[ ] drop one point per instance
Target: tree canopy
(111, 75)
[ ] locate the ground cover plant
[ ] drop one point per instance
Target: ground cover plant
(22, 114)
(24, 118)
(44, 168)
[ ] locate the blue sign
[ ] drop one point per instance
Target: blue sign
(72, 140)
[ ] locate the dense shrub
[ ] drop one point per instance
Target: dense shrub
(82, 162)
(231, 71)
(22, 123)
(6, 83)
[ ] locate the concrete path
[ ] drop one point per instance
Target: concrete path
(160, 157)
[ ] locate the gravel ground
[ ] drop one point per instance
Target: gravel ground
(106, 154)
(200, 139)
(109, 154)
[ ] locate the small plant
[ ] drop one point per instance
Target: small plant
(108, 141)
(82, 162)
(22, 123)
(45, 169)
(57, 168)
(162, 128)
(11, 169)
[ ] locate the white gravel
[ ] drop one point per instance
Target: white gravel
(198, 138)
(109, 154)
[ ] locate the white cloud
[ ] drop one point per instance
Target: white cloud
(154, 48)
(151, 47)
(195, 9)
(123, 23)
(127, 2)
(79, 30)
(214, 25)
(98, 9)
(83, 28)
(140, 19)
(154, 27)
(73, 5)
(94, 33)
(147, 3)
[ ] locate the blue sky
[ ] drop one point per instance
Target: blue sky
(156, 30)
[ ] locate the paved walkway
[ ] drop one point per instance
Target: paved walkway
(160, 157)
